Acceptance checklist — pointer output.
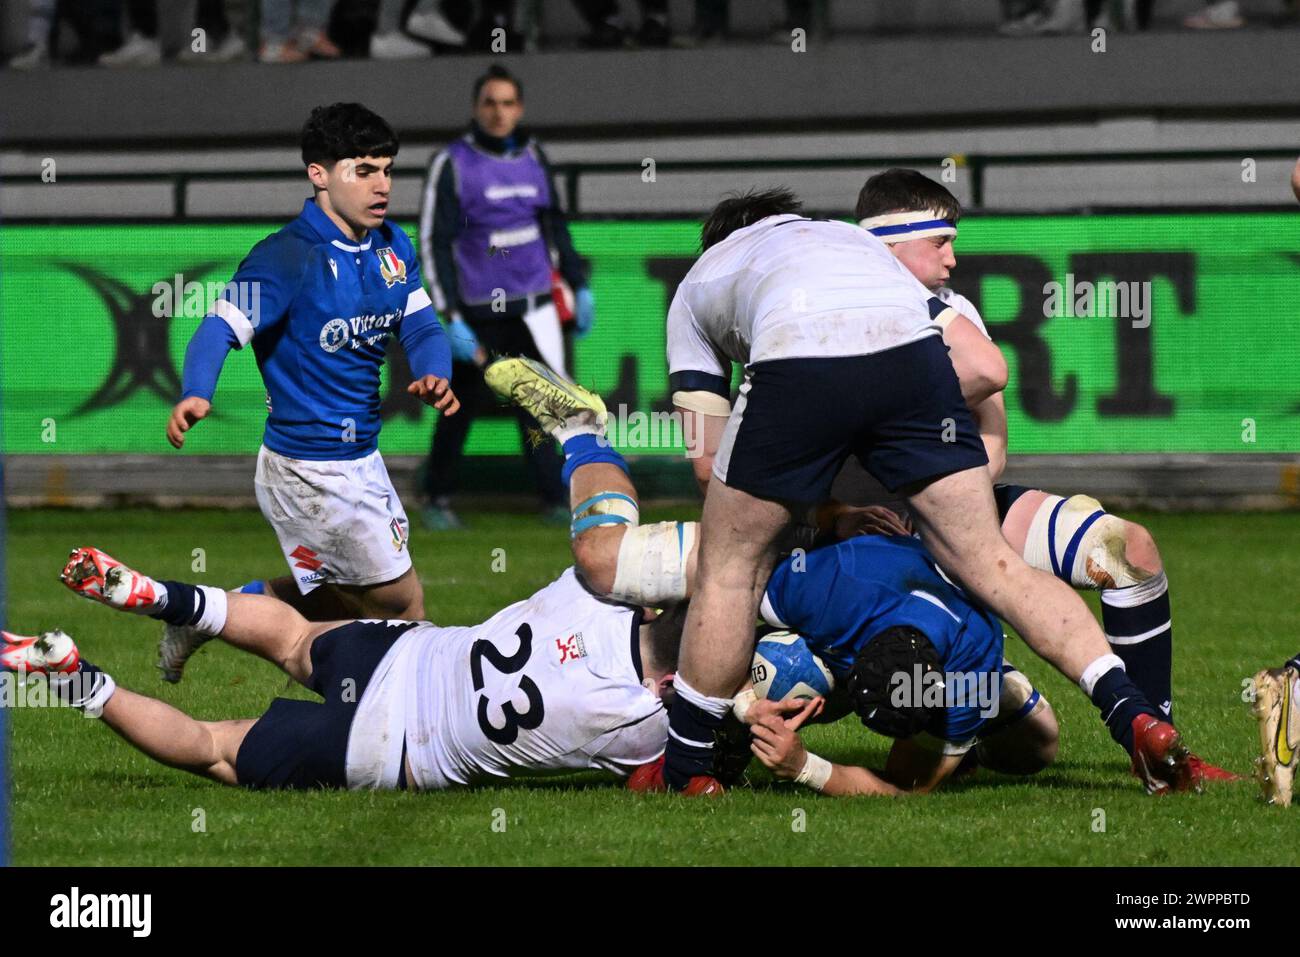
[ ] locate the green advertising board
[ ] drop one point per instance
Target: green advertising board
(1193, 348)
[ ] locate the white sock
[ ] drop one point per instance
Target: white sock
(1092, 674)
(584, 423)
(714, 706)
(213, 619)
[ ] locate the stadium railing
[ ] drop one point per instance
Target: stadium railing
(976, 168)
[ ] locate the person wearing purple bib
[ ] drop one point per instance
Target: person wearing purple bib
(492, 236)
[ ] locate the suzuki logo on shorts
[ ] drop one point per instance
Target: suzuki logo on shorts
(306, 559)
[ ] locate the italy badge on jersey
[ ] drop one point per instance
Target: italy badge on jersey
(391, 266)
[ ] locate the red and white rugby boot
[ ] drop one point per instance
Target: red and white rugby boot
(100, 577)
(649, 779)
(1206, 771)
(1160, 759)
(49, 653)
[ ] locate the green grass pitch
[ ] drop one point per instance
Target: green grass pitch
(83, 797)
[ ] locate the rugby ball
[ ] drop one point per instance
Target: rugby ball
(785, 667)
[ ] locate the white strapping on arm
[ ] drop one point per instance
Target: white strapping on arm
(816, 772)
(707, 403)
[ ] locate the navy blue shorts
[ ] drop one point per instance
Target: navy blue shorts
(304, 744)
(1005, 496)
(900, 412)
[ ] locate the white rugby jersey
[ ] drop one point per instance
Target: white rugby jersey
(963, 305)
(790, 287)
(549, 684)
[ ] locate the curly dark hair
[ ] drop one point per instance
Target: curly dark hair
(739, 210)
(343, 130)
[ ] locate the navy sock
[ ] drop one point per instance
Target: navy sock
(585, 449)
(1119, 701)
(1293, 663)
(74, 689)
(691, 735)
(185, 604)
(1140, 631)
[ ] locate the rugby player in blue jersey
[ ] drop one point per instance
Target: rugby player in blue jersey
(318, 301)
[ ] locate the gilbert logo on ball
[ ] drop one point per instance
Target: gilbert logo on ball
(785, 667)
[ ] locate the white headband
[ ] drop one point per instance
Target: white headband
(915, 224)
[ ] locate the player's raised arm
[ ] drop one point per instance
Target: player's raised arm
(254, 300)
(991, 419)
(703, 421)
(428, 351)
(981, 368)
(699, 378)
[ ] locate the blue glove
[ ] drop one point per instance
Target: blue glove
(464, 344)
(584, 313)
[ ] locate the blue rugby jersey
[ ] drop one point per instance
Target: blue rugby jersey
(319, 309)
(848, 593)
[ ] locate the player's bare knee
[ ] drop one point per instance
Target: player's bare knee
(226, 737)
(295, 654)
(595, 553)
(1141, 549)
(1041, 740)
(402, 598)
(414, 610)
(1049, 746)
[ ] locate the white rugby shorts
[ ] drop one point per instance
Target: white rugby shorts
(338, 522)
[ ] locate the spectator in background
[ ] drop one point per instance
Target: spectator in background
(429, 22)
(294, 31)
(479, 29)
(227, 23)
(1049, 17)
(388, 42)
(141, 47)
(40, 28)
(712, 17)
(608, 29)
(490, 225)
(1224, 15)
